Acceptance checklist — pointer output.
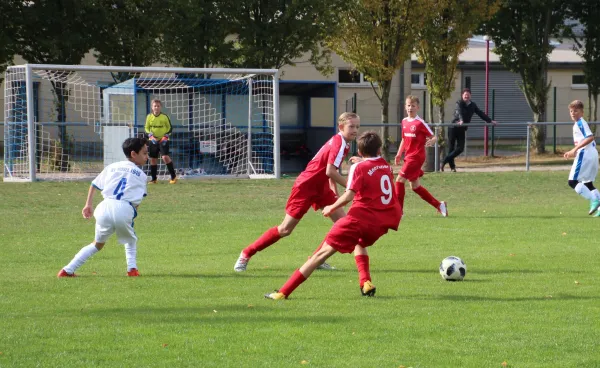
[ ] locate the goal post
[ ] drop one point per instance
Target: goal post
(66, 122)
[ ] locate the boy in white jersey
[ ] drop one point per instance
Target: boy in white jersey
(123, 186)
(585, 166)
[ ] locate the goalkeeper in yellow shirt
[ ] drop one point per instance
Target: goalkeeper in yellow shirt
(158, 127)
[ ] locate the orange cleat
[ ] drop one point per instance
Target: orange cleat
(133, 273)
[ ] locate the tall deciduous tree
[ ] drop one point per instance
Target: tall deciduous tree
(444, 38)
(587, 12)
(522, 31)
(195, 34)
(129, 33)
(377, 37)
(56, 32)
(274, 33)
(10, 20)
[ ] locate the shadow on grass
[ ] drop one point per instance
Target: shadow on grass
(479, 298)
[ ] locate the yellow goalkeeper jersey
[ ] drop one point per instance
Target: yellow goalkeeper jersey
(158, 125)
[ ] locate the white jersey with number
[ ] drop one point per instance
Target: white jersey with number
(123, 181)
(585, 165)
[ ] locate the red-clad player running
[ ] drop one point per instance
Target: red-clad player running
(416, 135)
(315, 187)
(375, 210)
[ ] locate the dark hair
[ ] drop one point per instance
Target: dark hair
(369, 143)
(465, 90)
(133, 144)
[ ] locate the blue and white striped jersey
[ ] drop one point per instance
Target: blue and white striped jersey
(581, 130)
(122, 180)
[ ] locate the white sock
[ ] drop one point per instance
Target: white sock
(584, 191)
(596, 194)
(80, 258)
(130, 256)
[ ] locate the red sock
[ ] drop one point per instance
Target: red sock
(292, 283)
(427, 197)
(270, 236)
(400, 190)
(362, 263)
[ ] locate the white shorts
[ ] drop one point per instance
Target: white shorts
(114, 216)
(585, 165)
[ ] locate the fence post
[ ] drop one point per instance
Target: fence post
(436, 152)
(554, 126)
(527, 152)
(493, 115)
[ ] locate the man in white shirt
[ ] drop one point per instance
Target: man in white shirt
(123, 186)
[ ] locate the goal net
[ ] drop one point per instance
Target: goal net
(68, 122)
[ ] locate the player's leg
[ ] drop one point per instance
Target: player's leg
(104, 229)
(460, 146)
(153, 151)
(126, 235)
(164, 151)
(361, 257)
(576, 178)
(300, 275)
(267, 239)
(400, 190)
(441, 207)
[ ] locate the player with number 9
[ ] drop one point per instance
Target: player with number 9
(123, 186)
(375, 209)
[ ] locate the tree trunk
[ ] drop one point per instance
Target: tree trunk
(538, 135)
(595, 108)
(385, 102)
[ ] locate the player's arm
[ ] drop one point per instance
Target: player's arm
(341, 202)
(431, 141)
(399, 154)
(580, 145)
(335, 176)
(169, 128)
(88, 209)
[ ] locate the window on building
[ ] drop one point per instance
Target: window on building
(578, 81)
(418, 80)
(349, 76)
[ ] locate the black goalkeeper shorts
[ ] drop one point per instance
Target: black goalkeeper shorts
(159, 147)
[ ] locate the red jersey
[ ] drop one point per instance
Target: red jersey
(415, 132)
(332, 152)
(375, 201)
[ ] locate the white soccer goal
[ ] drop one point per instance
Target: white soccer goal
(66, 122)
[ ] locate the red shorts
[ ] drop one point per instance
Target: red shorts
(411, 170)
(349, 231)
(301, 200)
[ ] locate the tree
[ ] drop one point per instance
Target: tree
(274, 33)
(522, 32)
(587, 12)
(195, 34)
(377, 37)
(129, 33)
(10, 20)
(56, 32)
(443, 39)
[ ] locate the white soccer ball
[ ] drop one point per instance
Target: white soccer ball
(453, 269)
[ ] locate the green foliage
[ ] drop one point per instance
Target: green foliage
(519, 303)
(129, 32)
(10, 20)
(587, 12)
(57, 31)
(195, 34)
(522, 32)
(274, 33)
(443, 38)
(377, 37)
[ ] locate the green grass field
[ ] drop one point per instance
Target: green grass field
(531, 297)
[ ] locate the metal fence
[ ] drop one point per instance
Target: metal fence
(499, 144)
